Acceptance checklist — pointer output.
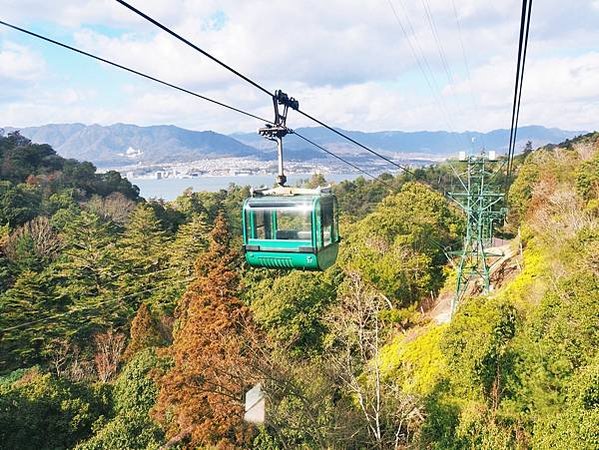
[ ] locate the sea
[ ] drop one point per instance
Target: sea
(170, 188)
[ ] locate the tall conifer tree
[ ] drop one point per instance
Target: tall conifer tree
(144, 255)
(25, 306)
(144, 332)
(87, 275)
(190, 242)
(203, 392)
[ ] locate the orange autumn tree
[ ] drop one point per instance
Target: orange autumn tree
(201, 397)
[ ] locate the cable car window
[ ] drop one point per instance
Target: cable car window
(260, 225)
(327, 223)
(335, 228)
(292, 222)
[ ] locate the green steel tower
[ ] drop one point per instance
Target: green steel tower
(480, 202)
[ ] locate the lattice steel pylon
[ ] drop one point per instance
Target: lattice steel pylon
(481, 203)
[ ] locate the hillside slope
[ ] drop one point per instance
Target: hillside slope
(132, 324)
(519, 368)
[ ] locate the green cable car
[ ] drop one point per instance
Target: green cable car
(291, 228)
(285, 227)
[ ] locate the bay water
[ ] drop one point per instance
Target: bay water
(170, 188)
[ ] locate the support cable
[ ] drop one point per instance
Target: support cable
(375, 178)
(521, 84)
(443, 57)
(353, 141)
(426, 69)
(195, 47)
(467, 66)
(517, 80)
(434, 31)
(257, 85)
(141, 74)
(522, 47)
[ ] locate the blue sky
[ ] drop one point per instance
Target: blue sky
(347, 61)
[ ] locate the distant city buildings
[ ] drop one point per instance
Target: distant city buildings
(239, 167)
(224, 167)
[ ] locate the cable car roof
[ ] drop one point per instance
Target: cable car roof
(276, 200)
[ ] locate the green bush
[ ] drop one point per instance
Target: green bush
(135, 390)
(291, 311)
(478, 350)
(44, 412)
(575, 424)
(565, 328)
(398, 248)
(587, 178)
(125, 432)
(134, 394)
(417, 364)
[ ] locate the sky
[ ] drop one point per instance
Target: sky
(360, 65)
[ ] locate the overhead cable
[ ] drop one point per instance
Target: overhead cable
(342, 159)
(255, 83)
(195, 47)
(522, 48)
(425, 68)
(187, 91)
(330, 128)
(467, 66)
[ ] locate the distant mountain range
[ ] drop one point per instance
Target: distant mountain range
(121, 145)
(419, 143)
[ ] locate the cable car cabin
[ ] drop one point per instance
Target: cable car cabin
(293, 232)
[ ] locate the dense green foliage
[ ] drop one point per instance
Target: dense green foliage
(292, 310)
(95, 282)
(45, 412)
(521, 364)
(399, 246)
(30, 173)
(79, 252)
(133, 396)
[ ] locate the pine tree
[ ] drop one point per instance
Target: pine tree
(87, 275)
(144, 254)
(33, 245)
(203, 392)
(316, 180)
(4, 268)
(190, 242)
(24, 332)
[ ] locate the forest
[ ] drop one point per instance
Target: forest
(131, 323)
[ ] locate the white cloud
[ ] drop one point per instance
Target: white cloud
(69, 13)
(18, 63)
(347, 61)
